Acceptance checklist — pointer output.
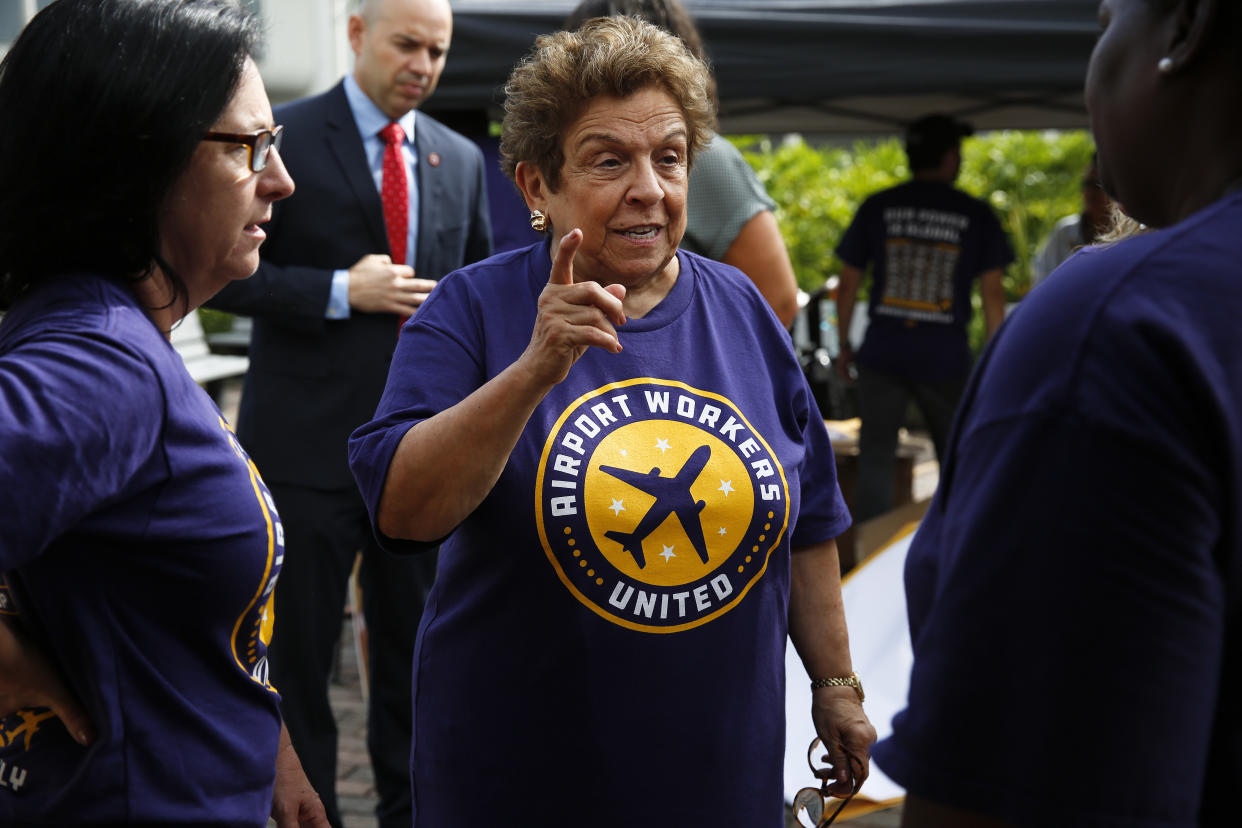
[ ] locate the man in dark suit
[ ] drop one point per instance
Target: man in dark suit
(334, 283)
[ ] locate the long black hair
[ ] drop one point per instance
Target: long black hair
(103, 103)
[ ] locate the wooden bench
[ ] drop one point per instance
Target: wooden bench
(208, 369)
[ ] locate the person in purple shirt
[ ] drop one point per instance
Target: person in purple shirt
(639, 494)
(139, 547)
(1075, 592)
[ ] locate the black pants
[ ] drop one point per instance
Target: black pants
(324, 531)
(882, 402)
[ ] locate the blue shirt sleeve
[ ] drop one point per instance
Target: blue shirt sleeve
(338, 297)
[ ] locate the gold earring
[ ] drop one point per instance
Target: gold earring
(538, 221)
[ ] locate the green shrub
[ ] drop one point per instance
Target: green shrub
(215, 321)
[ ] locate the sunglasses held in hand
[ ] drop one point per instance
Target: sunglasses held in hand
(811, 804)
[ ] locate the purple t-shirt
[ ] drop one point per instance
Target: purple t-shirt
(141, 549)
(1075, 590)
(927, 243)
(605, 640)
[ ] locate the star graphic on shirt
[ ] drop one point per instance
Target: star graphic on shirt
(726, 486)
(723, 531)
(668, 553)
(662, 445)
(618, 506)
(624, 453)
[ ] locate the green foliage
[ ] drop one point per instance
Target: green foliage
(1031, 179)
(214, 321)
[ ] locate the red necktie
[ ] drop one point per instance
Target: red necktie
(395, 192)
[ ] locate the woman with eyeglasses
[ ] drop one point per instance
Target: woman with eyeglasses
(138, 544)
(1075, 591)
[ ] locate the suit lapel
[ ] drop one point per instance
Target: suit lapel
(431, 198)
(345, 146)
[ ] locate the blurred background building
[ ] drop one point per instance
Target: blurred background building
(307, 50)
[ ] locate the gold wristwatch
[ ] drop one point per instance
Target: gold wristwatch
(852, 680)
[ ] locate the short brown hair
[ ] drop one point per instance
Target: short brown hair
(669, 15)
(616, 56)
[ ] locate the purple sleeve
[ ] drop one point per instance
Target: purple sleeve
(822, 514)
(434, 367)
(81, 413)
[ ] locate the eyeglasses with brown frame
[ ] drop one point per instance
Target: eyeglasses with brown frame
(811, 804)
(259, 144)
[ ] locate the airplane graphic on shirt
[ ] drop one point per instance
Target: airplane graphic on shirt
(672, 496)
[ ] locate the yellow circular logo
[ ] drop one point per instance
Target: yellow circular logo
(657, 504)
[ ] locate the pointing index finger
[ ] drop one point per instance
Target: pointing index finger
(563, 265)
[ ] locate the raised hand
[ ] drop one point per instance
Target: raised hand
(377, 285)
(571, 318)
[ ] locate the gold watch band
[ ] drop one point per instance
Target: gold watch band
(852, 680)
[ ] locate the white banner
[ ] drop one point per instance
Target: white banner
(875, 610)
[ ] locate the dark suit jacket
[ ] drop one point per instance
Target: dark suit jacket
(313, 380)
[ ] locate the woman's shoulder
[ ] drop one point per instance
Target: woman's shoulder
(728, 290)
(1087, 298)
(723, 276)
(79, 303)
(1195, 261)
(88, 327)
(1119, 326)
(91, 365)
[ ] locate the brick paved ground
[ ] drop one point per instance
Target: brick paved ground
(355, 788)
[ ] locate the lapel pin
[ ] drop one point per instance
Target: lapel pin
(433, 159)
